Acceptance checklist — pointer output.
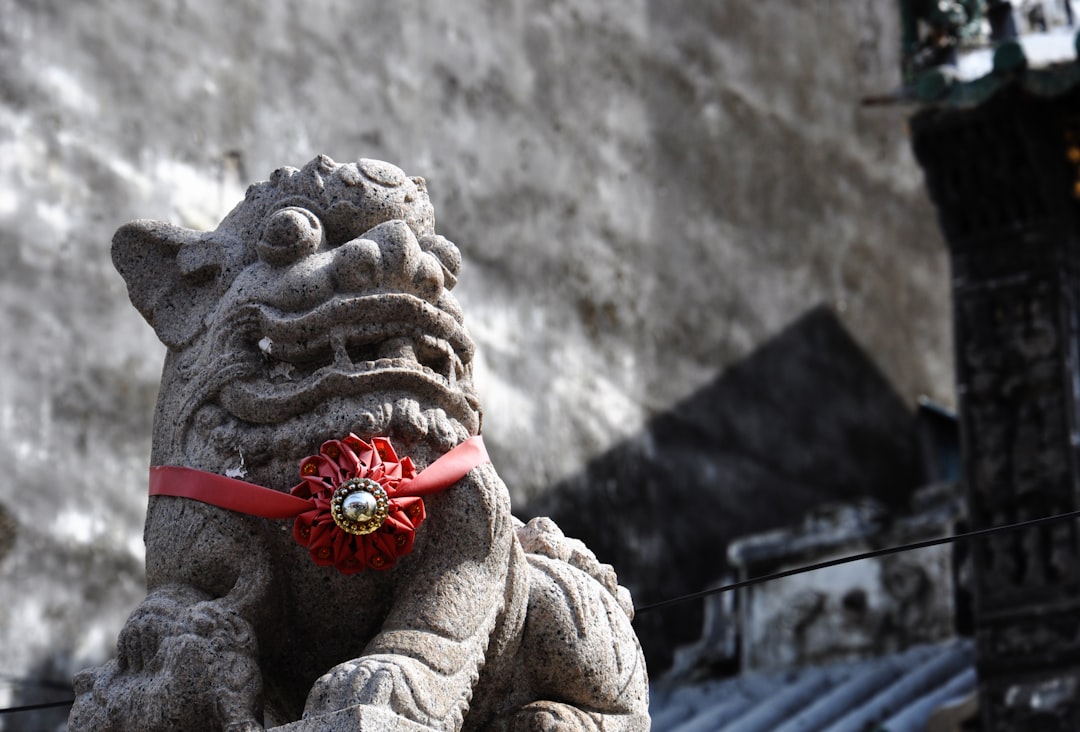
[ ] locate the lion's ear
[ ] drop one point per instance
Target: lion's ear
(168, 270)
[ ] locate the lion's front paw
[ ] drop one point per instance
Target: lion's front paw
(353, 682)
(397, 684)
(163, 614)
(140, 639)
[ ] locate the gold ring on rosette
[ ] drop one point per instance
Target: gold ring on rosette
(359, 506)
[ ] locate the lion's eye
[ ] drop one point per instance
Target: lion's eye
(289, 235)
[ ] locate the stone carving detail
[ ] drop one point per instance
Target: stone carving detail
(1001, 173)
(1019, 434)
(321, 306)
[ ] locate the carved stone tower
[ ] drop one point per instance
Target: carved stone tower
(1002, 162)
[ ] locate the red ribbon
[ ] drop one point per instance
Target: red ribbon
(321, 474)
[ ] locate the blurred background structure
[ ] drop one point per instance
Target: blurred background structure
(993, 621)
(707, 287)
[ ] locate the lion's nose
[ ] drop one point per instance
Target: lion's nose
(387, 257)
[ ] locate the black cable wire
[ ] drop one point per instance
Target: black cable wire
(32, 707)
(737, 585)
(857, 557)
(8, 680)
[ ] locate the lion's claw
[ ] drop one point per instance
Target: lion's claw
(376, 681)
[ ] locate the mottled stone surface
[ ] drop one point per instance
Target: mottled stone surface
(644, 193)
(321, 307)
(353, 719)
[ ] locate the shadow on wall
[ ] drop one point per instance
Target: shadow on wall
(805, 419)
(8, 529)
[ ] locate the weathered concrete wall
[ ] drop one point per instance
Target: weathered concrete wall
(644, 191)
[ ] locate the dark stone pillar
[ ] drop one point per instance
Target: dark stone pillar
(1005, 178)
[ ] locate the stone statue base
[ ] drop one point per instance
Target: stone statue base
(354, 719)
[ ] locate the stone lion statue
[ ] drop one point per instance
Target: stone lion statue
(316, 355)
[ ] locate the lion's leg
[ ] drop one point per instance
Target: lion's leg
(450, 594)
(584, 665)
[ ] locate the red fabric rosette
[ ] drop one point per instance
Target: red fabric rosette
(336, 462)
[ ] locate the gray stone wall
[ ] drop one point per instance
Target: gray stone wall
(644, 192)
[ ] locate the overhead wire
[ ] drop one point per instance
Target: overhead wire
(864, 555)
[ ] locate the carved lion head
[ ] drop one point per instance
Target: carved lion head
(320, 306)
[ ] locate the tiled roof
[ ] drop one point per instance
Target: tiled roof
(894, 693)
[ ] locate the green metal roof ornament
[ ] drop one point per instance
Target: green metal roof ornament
(960, 52)
(933, 32)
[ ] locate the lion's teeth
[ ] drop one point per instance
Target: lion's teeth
(282, 371)
(341, 354)
(398, 348)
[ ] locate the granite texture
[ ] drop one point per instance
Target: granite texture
(321, 306)
(644, 192)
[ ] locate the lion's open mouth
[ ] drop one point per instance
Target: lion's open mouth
(351, 347)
